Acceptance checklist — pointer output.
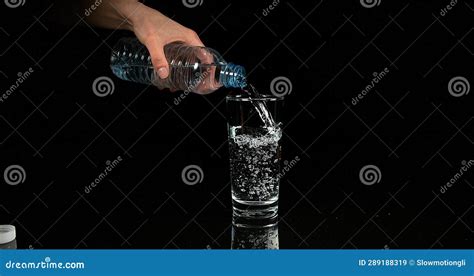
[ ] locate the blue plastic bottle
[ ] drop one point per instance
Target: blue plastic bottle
(197, 69)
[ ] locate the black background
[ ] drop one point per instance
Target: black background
(409, 126)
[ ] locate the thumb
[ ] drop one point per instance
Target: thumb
(158, 58)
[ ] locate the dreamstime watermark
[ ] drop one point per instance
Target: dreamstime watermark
(287, 166)
(47, 263)
(459, 86)
(192, 3)
(370, 174)
(281, 86)
(195, 82)
(14, 175)
(448, 7)
(103, 86)
(266, 11)
(370, 3)
(22, 76)
(466, 165)
(377, 77)
(88, 11)
(14, 3)
(109, 166)
(192, 175)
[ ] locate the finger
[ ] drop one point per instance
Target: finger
(204, 55)
(192, 38)
(158, 58)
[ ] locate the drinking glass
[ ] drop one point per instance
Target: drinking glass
(254, 130)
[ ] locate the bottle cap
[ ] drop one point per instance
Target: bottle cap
(7, 233)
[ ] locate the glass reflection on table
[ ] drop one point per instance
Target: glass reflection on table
(254, 233)
(10, 245)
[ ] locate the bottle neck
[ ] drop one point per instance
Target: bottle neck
(232, 76)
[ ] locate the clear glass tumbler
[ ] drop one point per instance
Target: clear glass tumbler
(254, 129)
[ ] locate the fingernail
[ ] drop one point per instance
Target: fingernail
(163, 72)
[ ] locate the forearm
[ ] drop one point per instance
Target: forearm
(150, 26)
(112, 14)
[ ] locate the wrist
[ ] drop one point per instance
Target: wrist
(132, 11)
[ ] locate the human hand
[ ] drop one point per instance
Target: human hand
(155, 30)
